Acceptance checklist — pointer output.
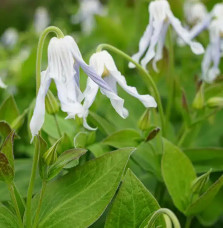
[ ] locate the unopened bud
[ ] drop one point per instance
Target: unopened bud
(198, 102)
(215, 102)
(144, 121)
(50, 156)
(199, 183)
(52, 106)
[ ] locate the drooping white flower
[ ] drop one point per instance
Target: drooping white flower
(41, 19)
(10, 37)
(152, 41)
(85, 15)
(64, 61)
(210, 64)
(105, 66)
(195, 12)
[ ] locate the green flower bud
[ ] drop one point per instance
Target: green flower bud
(199, 183)
(144, 121)
(215, 102)
(198, 102)
(52, 106)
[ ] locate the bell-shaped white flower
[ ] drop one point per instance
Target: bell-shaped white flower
(195, 12)
(210, 64)
(85, 15)
(64, 61)
(105, 66)
(41, 19)
(152, 41)
(10, 37)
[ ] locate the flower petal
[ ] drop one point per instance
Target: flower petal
(2, 84)
(39, 111)
(147, 100)
(158, 26)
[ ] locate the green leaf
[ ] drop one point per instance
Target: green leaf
(178, 173)
(205, 159)
(63, 160)
(7, 148)
(132, 204)
(205, 199)
(9, 110)
(7, 219)
(80, 197)
(5, 129)
(103, 124)
(6, 171)
(18, 122)
(123, 138)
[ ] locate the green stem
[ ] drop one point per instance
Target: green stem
(57, 125)
(36, 220)
(13, 197)
(42, 38)
(188, 222)
(161, 211)
(31, 185)
(146, 76)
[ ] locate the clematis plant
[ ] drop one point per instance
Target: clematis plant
(153, 39)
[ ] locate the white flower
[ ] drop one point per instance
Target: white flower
(10, 37)
(210, 64)
(85, 15)
(153, 38)
(41, 19)
(105, 66)
(195, 12)
(2, 84)
(64, 60)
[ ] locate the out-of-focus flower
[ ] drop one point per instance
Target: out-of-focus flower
(195, 12)
(160, 17)
(64, 61)
(210, 64)
(85, 15)
(10, 37)
(41, 19)
(105, 66)
(2, 84)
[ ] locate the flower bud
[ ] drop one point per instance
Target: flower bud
(215, 102)
(52, 106)
(198, 102)
(144, 121)
(199, 183)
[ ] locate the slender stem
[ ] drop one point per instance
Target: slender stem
(57, 124)
(188, 222)
(146, 76)
(43, 36)
(31, 185)
(36, 220)
(161, 211)
(13, 197)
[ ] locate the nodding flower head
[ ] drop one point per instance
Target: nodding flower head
(64, 61)
(105, 66)
(153, 39)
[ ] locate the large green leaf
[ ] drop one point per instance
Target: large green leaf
(132, 205)
(80, 197)
(7, 219)
(205, 199)
(123, 138)
(9, 110)
(178, 173)
(205, 159)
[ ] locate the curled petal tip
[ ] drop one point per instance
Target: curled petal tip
(197, 48)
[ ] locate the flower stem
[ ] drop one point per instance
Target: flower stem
(57, 125)
(166, 211)
(146, 76)
(42, 38)
(36, 220)
(188, 222)
(13, 197)
(31, 185)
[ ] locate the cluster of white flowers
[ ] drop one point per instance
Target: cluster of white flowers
(64, 61)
